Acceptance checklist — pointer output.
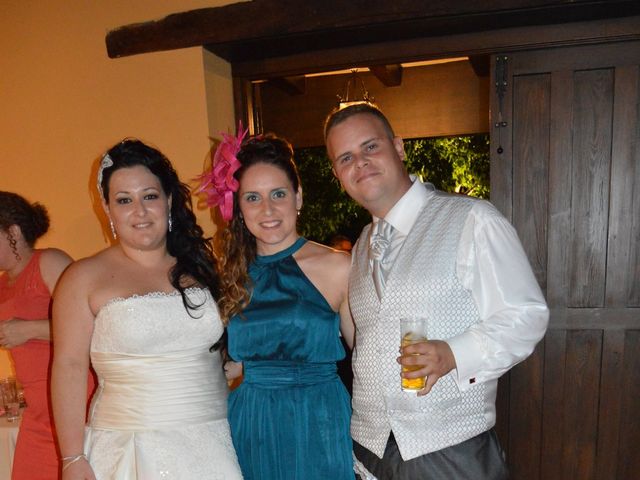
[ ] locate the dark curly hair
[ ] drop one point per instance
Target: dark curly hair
(195, 261)
(33, 219)
(238, 244)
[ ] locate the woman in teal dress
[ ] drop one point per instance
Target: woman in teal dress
(286, 298)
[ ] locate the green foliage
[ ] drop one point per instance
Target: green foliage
(453, 164)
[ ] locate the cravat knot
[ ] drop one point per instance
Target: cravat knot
(379, 244)
(378, 249)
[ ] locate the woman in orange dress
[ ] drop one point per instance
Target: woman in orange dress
(27, 279)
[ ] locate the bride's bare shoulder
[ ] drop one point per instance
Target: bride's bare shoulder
(87, 268)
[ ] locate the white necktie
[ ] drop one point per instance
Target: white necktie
(379, 248)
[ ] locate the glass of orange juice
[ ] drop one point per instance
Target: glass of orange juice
(412, 330)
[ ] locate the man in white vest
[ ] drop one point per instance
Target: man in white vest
(454, 260)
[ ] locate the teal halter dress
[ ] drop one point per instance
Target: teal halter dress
(290, 416)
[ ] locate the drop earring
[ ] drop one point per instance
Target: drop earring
(14, 248)
(113, 229)
(170, 222)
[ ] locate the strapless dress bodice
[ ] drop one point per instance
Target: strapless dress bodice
(160, 407)
(153, 362)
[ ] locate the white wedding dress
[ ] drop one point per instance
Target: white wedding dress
(160, 410)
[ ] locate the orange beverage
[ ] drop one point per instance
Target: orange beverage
(413, 330)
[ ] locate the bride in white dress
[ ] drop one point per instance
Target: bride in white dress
(141, 313)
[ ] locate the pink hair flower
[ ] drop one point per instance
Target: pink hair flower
(218, 183)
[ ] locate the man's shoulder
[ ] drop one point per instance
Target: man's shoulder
(487, 210)
(447, 200)
(479, 206)
(455, 197)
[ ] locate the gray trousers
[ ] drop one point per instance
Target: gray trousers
(479, 458)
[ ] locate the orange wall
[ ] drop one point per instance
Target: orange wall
(63, 102)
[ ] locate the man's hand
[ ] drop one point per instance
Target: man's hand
(232, 370)
(435, 357)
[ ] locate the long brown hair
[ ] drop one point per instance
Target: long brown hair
(237, 243)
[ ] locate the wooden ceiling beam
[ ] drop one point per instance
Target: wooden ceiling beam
(295, 85)
(389, 75)
(446, 46)
(270, 28)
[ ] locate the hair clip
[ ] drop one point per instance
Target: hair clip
(105, 163)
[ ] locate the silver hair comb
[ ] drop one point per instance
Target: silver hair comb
(105, 163)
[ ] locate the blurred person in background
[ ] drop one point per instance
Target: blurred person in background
(27, 281)
(341, 242)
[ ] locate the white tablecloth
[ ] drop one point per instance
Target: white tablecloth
(8, 437)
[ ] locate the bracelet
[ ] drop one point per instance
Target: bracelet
(72, 457)
(71, 460)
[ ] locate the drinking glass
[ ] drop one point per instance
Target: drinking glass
(10, 398)
(412, 330)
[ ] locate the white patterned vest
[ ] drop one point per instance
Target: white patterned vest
(422, 282)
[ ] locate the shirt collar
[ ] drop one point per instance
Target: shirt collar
(404, 213)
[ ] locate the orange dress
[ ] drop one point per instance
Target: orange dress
(28, 298)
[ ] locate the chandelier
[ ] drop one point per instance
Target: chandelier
(350, 96)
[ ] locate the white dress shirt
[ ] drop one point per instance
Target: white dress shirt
(491, 264)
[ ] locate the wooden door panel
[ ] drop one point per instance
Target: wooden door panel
(628, 455)
(530, 168)
(559, 195)
(623, 275)
(591, 159)
(526, 430)
(551, 453)
(580, 410)
(610, 403)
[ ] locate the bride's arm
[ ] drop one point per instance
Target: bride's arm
(72, 331)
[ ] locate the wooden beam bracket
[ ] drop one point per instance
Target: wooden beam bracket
(389, 75)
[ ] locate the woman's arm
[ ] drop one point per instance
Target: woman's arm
(72, 331)
(347, 327)
(17, 331)
(328, 270)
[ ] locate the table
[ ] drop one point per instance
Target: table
(8, 437)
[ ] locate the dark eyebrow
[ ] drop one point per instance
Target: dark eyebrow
(367, 142)
(126, 192)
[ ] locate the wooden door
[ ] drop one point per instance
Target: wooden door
(567, 123)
